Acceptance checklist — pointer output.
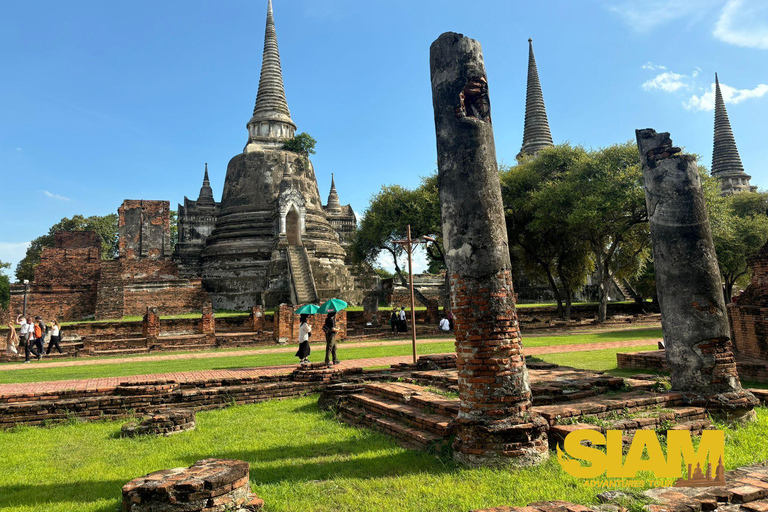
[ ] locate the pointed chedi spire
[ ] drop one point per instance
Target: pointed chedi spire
(333, 198)
(726, 162)
(536, 135)
(271, 123)
(206, 192)
(725, 155)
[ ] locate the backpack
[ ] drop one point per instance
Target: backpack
(38, 331)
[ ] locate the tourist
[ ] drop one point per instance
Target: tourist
(402, 325)
(40, 336)
(449, 316)
(393, 320)
(28, 333)
(329, 328)
(55, 337)
(445, 326)
(12, 340)
(305, 331)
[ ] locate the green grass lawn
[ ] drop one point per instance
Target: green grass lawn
(39, 372)
(301, 460)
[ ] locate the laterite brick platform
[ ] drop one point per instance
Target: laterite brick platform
(209, 485)
(749, 368)
(163, 422)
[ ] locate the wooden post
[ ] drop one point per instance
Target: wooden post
(413, 298)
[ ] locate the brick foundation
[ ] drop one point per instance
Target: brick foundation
(164, 422)
(209, 485)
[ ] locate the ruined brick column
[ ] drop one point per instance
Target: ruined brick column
(256, 319)
(151, 325)
(495, 424)
(693, 315)
(208, 321)
(284, 324)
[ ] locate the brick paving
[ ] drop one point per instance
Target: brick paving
(109, 383)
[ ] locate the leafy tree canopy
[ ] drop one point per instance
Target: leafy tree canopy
(303, 144)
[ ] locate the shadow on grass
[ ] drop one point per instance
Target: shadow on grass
(29, 494)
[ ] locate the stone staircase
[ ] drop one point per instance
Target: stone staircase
(301, 275)
(420, 408)
(416, 417)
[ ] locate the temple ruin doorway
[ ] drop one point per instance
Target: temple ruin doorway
(293, 227)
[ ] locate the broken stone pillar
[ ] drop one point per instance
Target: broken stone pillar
(256, 319)
(371, 309)
(693, 315)
(151, 325)
(494, 424)
(208, 321)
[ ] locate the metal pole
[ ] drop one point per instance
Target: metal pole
(413, 299)
(24, 312)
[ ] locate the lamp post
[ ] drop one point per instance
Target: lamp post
(409, 245)
(26, 289)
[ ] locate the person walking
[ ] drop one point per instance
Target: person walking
(393, 319)
(28, 333)
(329, 328)
(55, 337)
(40, 330)
(305, 331)
(403, 327)
(12, 341)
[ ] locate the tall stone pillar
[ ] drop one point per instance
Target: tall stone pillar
(495, 425)
(693, 315)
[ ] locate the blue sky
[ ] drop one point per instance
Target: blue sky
(105, 101)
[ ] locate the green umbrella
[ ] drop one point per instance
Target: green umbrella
(332, 305)
(307, 309)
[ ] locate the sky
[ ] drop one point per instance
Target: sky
(106, 101)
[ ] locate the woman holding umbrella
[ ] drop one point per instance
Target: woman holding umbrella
(330, 330)
(305, 331)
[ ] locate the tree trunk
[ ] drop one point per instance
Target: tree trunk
(556, 291)
(566, 290)
(603, 280)
(727, 290)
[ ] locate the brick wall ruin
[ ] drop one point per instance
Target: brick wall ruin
(287, 325)
(65, 280)
(749, 314)
(145, 230)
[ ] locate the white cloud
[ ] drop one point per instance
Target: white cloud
(645, 15)
(731, 95)
(55, 196)
(667, 82)
(653, 67)
(19, 149)
(743, 24)
(12, 252)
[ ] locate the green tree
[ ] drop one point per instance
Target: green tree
(174, 215)
(385, 221)
(739, 229)
(606, 191)
(105, 226)
(303, 144)
(5, 286)
(536, 213)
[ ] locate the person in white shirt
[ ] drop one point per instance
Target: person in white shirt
(403, 324)
(27, 337)
(445, 325)
(305, 331)
(55, 337)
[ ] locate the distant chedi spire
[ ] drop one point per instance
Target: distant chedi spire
(206, 192)
(271, 123)
(726, 162)
(536, 135)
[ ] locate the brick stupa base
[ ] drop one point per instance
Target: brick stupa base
(164, 422)
(209, 485)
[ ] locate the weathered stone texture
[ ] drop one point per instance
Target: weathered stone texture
(164, 422)
(145, 230)
(495, 424)
(209, 485)
(696, 332)
(749, 314)
(196, 222)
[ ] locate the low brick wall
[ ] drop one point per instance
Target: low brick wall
(749, 368)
